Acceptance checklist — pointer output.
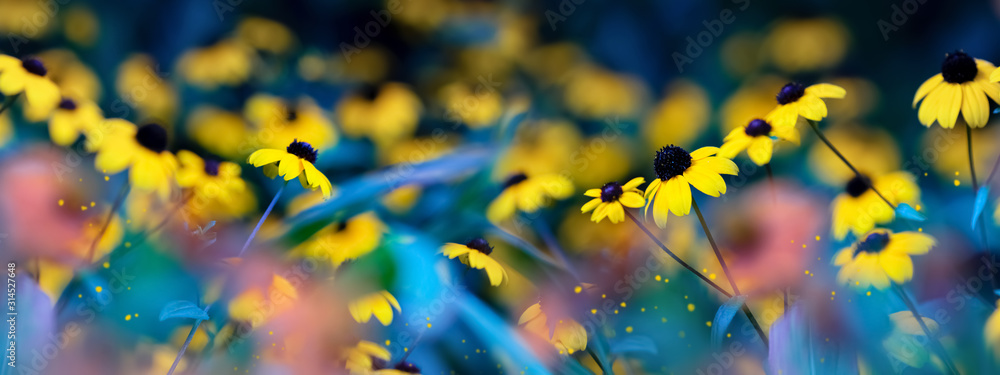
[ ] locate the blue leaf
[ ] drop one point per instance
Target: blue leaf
(981, 196)
(723, 317)
(904, 210)
(632, 344)
(182, 309)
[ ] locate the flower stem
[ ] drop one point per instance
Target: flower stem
(9, 103)
(770, 180)
(262, 218)
(187, 342)
(166, 219)
(822, 137)
(725, 269)
(676, 258)
(984, 237)
(550, 241)
(920, 320)
(107, 222)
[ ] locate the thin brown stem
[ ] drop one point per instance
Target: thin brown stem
(930, 335)
(829, 145)
(107, 221)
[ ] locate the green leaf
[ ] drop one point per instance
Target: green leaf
(723, 317)
(182, 309)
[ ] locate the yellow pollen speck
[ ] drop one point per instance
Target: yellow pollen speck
(817, 238)
(869, 293)
(711, 276)
(833, 293)
(685, 297)
(98, 289)
(925, 174)
(957, 183)
(270, 332)
(704, 270)
(663, 320)
(642, 309)
(623, 304)
(128, 244)
(708, 324)
(920, 229)
(428, 325)
(690, 307)
(128, 317)
(917, 207)
(387, 342)
(61, 202)
(628, 329)
(92, 204)
(657, 278)
(592, 311)
(83, 208)
(807, 272)
(79, 295)
(616, 311)
(666, 280)
(107, 265)
(106, 178)
(793, 241)
(604, 296)
(406, 349)
(578, 289)
(956, 173)
(803, 246)
(729, 335)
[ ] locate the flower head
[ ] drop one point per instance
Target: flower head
(528, 194)
(379, 304)
(676, 171)
(365, 357)
(566, 334)
(28, 76)
(295, 161)
(346, 240)
(278, 122)
(796, 100)
(385, 114)
(962, 86)
(141, 149)
(755, 137)
(476, 254)
(859, 208)
(217, 188)
(612, 198)
(73, 118)
(880, 257)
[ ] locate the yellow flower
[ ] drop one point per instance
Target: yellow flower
(220, 132)
(256, 307)
(859, 208)
(227, 63)
(365, 357)
(74, 78)
(143, 150)
(795, 100)
(385, 114)
(73, 118)
(609, 201)
(756, 139)
(280, 122)
(140, 85)
(28, 76)
(676, 171)
(216, 186)
(992, 330)
(295, 161)
(344, 241)
(596, 93)
(807, 44)
(527, 194)
(379, 304)
(686, 103)
(880, 257)
(475, 106)
(265, 35)
(962, 86)
(476, 254)
(875, 146)
(566, 334)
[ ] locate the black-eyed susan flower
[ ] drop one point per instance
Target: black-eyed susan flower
(881, 257)
(227, 63)
(295, 161)
(216, 187)
(566, 334)
(859, 208)
(343, 241)
(962, 86)
(28, 76)
(279, 122)
(152, 95)
(385, 114)
(756, 138)
(379, 304)
(220, 132)
(796, 100)
(528, 194)
(476, 254)
(141, 149)
(73, 118)
(676, 171)
(612, 198)
(486, 106)
(265, 35)
(365, 357)
(401, 368)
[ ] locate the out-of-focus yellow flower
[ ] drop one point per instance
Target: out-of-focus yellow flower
(677, 171)
(756, 139)
(901, 343)
(74, 78)
(402, 199)
(476, 254)
(198, 341)
(111, 238)
(379, 304)
(280, 122)
(424, 15)
(477, 106)
(344, 241)
(751, 100)
(566, 334)
(796, 100)
(386, 114)
(553, 63)
(368, 66)
(527, 194)
(28, 76)
(365, 357)
(963, 86)
(864, 98)
(612, 198)
(227, 63)
(859, 208)
(742, 54)
(216, 187)
(680, 117)
(53, 277)
(945, 151)
(72, 119)
(992, 330)
(542, 147)
(81, 26)
(19, 19)
(265, 35)
(6, 128)
(139, 85)
(597, 93)
(876, 147)
(257, 307)
(295, 161)
(221, 132)
(881, 257)
(143, 151)
(807, 44)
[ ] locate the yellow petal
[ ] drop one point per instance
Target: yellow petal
(927, 87)
(631, 199)
(914, 243)
(590, 205)
(661, 205)
(717, 164)
(826, 90)
(950, 105)
(679, 191)
(290, 166)
(897, 266)
(975, 107)
(760, 150)
(706, 181)
(633, 183)
(502, 207)
(265, 156)
(594, 193)
(704, 152)
(615, 212)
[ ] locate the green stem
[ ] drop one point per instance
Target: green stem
(920, 320)
(725, 269)
(822, 137)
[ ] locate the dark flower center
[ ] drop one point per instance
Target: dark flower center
(152, 137)
(292, 115)
(611, 191)
(212, 167)
(67, 104)
(303, 150)
(858, 185)
(378, 363)
(35, 67)
(480, 245)
(369, 92)
(873, 243)
(959, 67)
(757, 128)
(341, 226)
(514, 180)
(790, 93)
(671, 161)
(407, 367)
